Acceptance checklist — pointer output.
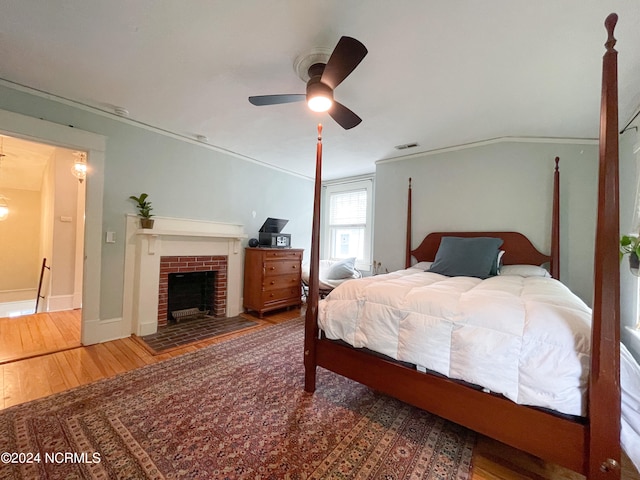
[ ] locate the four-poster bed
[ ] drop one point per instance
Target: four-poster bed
(587, 444)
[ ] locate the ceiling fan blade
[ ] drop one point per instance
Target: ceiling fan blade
(345, 117)
(261, 100)
(347, 55)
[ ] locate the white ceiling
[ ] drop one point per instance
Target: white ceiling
(23, 163)
(440, 72)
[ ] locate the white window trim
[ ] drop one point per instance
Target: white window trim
(345, 185)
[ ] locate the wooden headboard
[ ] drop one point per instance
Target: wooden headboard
(518, 249)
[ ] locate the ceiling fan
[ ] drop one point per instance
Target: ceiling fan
(323, 79)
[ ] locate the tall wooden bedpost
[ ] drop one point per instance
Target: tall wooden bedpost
(311, 316)
(555, 224)
(407, 259)
(604, 380)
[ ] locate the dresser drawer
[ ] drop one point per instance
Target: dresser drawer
(270, 297)
(281, 267)
(279, 254)
(281, 281)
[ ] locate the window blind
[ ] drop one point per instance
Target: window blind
(348, 208)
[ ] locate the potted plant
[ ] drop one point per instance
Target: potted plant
(144, 210)
(630, 244)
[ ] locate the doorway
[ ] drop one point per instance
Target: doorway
(92, 330)
(41, 248)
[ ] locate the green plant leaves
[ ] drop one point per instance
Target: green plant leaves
(144, 207)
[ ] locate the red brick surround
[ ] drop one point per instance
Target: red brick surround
(185, 264)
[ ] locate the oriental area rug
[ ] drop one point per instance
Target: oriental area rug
(233, 410)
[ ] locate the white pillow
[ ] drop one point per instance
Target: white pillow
(499, 261)
(524, 271)
(343, 269)
(422, 265)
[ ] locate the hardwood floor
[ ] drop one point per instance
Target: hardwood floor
(32, 335)
(42, 375)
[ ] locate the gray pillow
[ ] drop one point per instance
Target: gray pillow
(342, 269)
(466, 257)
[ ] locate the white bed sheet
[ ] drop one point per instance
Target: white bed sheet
(525, 338)
(630, 422)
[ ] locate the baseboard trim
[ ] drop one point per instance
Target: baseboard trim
(58, 303)
(12, 309)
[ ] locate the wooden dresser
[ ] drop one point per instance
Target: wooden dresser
(272, 278)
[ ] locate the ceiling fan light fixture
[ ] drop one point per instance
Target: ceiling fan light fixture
(319, 97)
(325, 73)
(319, 103)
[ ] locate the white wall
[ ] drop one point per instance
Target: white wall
(505, 185)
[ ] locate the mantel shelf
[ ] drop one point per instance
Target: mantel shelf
(153, 234)
(181, 233)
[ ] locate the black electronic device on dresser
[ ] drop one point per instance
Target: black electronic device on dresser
(270, 234)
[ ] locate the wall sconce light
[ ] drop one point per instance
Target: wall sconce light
(79, 168)
(4, 208)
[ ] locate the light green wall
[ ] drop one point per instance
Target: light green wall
(499, 186)
(183, 179)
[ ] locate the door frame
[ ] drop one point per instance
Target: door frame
(42, 131)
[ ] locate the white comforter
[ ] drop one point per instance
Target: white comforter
(524, 337)
(630, 421)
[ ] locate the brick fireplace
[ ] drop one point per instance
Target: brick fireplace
(187, 246)
(190, 264)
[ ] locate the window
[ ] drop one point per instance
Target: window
(347, 222)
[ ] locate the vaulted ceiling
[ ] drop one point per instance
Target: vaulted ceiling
(439, 73)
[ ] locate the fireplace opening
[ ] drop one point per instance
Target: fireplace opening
(191, 295)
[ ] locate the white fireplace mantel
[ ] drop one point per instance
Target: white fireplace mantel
(153, 235)
(174, 237)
